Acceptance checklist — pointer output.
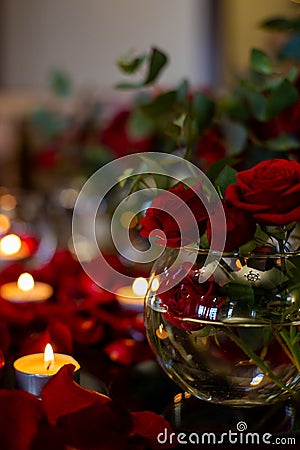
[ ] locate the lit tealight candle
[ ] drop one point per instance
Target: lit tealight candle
(132, 297)
(12, 248)
(26, 290)
(35, 370)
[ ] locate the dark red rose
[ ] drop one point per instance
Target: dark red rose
(191, 300)
(48, 157)
(157, 218)
(210, 147)
(116, 136)
(286, 122)
(270, 192)
(240, 228)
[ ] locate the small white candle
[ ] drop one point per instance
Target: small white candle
(12, 248)
(132, 297)
(26, 290)
(35, 370)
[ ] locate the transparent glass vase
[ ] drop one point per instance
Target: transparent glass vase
(234, 338)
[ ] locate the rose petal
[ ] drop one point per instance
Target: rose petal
(20, 415)
(89, 420)
(148, 425)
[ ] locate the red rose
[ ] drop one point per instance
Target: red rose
(157, 218)
(240, 228)
(192, 300)
(210, 147)
(116, 136)
(270, 192)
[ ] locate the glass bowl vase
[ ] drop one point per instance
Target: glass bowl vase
(234, 338)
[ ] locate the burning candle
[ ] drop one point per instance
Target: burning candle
(26, 290)
(35, 370)
(12, 248)
(132, 297)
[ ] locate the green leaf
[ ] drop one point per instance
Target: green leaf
(225, 177)
(260, 237)
(139, 125)
(206, 331)
(189, 131)
(275, 232)
(257, 103)
(203, 110)
(158, 60)
(60, 83)
(284, 142)
(182, 91)
(236, 136)
(239, 291)
(124, 177)
(160, 105)
(215, 169)
(173, 131)
(130, 64)
(282, 97)
(261, 62)
(293, 74)
(128, 85)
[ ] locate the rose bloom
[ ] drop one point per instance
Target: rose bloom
(116, 136)
(269, 191)
(240, 228)
(193, 300)
(211, 147)
(157, 218)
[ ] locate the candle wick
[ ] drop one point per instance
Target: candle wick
(48, 367)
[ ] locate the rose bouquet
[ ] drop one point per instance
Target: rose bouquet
(235, 337)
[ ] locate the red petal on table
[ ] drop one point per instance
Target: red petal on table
(128, 351)
(20, 415)
(62, 396)
(100, 426)
(89, 420)
(148, 425)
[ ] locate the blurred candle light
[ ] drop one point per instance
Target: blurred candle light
(132, 297)
(10, 244)
(12, 248)
(26, 290)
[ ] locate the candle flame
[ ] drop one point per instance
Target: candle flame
(48, 356)
(140, 286)
(10, 244)
(25, 282)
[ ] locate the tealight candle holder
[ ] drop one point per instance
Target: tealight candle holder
(26, 290)
(35, 370)
(132, 297)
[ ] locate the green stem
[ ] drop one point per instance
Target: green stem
(256, 359)
(293, 348)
